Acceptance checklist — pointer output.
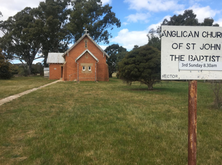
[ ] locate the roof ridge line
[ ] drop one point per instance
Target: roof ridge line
(87, 50)
(66, 52)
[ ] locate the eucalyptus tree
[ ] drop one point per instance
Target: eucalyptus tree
(20, 39)
(1, 30)
(91, 14)
(116, 54)
(154, 39)
(34, 32)
(64, 22)
(53, 17)
(188, 18)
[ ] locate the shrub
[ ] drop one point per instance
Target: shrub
(5, 70)
(216, 87)
(141, 64)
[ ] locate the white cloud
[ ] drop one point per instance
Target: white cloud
(11, 7)
(125, 23)
(138, 17)
(204, 12)
(128, 39)
(103, 46)
(192, 2)
(38, 60)
(154, 5)
(106, 1)
(219, 22)
(201, 12)
(155, 26)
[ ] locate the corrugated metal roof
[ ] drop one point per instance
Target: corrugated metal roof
(55, 58)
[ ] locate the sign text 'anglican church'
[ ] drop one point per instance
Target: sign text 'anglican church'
(191, 53)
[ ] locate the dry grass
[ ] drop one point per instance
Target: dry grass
(20, 84)
(108, 123)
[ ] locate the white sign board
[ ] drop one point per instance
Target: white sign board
(191, 53)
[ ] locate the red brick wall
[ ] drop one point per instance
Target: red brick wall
(70, 67)
(103, 74)
(87, 60)
(54, 71)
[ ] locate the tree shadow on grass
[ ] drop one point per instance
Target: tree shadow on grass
(159, 90)
(144, 89)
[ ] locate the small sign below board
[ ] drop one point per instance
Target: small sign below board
(191, 53)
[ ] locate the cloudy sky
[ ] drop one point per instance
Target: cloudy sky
(137, 16)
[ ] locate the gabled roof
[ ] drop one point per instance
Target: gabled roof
(84, 53)
(80, 40)
(55, 58)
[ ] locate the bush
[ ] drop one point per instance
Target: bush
(23, 71)
(5, 70)
(37, 69)
(14, 69)
(216, 87)
(141, 64)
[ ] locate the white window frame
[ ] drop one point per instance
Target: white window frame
(89, 68)
(83, 68)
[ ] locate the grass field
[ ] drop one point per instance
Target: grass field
(108, 123)
(20, 84)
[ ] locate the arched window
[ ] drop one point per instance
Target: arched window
(86, 43)
(83, 68)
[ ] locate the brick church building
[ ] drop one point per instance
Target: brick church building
(84, 61)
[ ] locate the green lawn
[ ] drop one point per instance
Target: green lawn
(20, 84)
(108, 123)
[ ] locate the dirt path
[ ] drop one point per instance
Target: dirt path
(10, 98)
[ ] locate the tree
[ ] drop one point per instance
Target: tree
(35, 31)
(116, 53)
(91, 14)
(1, 30)
(154, 38)
(208, 22)
(121, 54)
(141, 64)
(20, 40)
(5, 70)
(50, 27)
(188, 18)
(0, 16)
(53, 19)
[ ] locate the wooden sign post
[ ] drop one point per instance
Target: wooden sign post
(191, 53)
(192, 123)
